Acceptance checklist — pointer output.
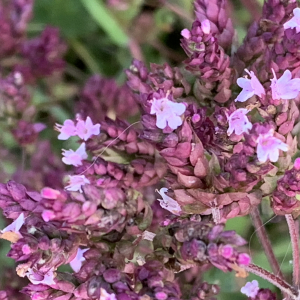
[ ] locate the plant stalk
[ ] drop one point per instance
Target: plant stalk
(295, 246)
(285, 287)
(264, 239)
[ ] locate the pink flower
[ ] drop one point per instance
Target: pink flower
(49, 193)
(250, 87)
(48, 215)
(238, 122)
(12, 231)
(167, 113)
(297, 164)
(67, 130)
(186, 33)
(168, 203)
(250, 289)
(268, 147)
(40, 278)
(285, 87)
(74, 158)
(104, 295)
(205, 25)
(294, 22)
(85, 129)
(76, 182)
(76, 263)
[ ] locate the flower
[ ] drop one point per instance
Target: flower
(205, 25)
(12, 231)
(167, 111)
(104, 295)
(268, 147)
(85, 129)
(39, 278)
(294, 22)
(250, 87)
(285, 87)
(48, 215)
(250, 289)
(76, 182)
(168, 203)
(76, 263)
(238, 122)
(67, 130)
(49, 193)
(74, 158)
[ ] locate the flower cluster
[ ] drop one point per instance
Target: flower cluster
(211, 141)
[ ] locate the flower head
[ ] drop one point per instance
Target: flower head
(67, 130)
(250, 87)
(76, 182)
(167, 113)
(37, 277)
(294, 22)
(76, 263)
(168, 203)
(85, 129)
(285, 87)
(250, 289)
(239, 122)
(74, 157)
(12, 231)
(268, 147)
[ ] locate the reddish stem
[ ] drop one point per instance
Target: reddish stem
(264, 239)
(286, 288)
(295, 246)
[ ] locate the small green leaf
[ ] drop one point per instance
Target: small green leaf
(106, 21)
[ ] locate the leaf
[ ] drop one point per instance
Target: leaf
(106, 21)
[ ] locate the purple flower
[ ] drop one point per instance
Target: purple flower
(205, 25)
(49, 193)
(238, 122)
(48, 215)
(167, 113)
(76, 182)
(12, 231)
(74, 157)
(85, 129)
(76, 263)
(168, 203)
(37, 278)
(67, 130)
(250, 87)
(294, 22)
(250, 289)
(285, 87)
(297, 163)
(268, 147)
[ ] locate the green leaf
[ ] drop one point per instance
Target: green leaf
(106, 21)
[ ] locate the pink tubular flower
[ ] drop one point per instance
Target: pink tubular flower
(168, 203)
(297, 163)
(239, 122)
(104, 295)
(250, 289)
(76, 263)
(12, 231)
(74, 157)
(167, 113)
(285, 87)
(48, 215)
(67, 130)
(39, 278)
(85, 129)
(76, 182)
(49, 193)
(250, 87)
(294, 22)
(268, 147)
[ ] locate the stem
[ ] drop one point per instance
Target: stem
(264, 239)
(295, 246)
(276, 280)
